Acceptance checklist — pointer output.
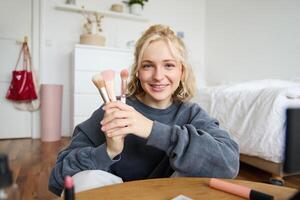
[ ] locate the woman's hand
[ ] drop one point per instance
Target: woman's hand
(125, 120)
(114, 145)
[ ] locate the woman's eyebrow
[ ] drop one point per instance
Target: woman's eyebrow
(169, 60)
(148, 61)
(166, 60)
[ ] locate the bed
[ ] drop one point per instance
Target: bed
(253, 113)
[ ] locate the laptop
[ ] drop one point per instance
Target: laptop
(292, 143)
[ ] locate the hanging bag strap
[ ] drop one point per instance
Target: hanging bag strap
(26, 57)
(19, 57)
(26, 64)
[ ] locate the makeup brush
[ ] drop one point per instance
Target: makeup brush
(109, 76)
(124, 76)
(100, 84)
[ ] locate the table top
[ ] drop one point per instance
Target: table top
(168, 188)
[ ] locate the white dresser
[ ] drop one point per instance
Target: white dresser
(89, 60)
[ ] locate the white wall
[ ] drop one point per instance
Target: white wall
(252, 39)
(61, 30)
(244, 40)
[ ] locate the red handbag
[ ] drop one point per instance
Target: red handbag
(22, 86)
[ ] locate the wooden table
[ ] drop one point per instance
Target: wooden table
(168, 188)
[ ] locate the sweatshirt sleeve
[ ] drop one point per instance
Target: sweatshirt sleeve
(199, 148)
(80, 155)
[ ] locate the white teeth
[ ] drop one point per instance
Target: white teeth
(159, 86)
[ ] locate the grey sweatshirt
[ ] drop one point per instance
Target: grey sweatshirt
(183, 139)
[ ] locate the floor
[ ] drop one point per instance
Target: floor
(32, 160)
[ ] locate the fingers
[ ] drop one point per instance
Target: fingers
(111, 110)
(116, 138)
(117, 104)
(121, 120)
(120, 132)
(114, 115)
(116, 123)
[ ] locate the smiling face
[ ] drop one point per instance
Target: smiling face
(159, 74)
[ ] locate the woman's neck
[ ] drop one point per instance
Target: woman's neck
(154, 104)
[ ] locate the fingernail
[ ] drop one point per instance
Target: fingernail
(103, 128)
(101, 122)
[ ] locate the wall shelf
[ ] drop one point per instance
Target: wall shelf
(105, 13)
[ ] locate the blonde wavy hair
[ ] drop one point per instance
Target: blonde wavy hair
(187, 87)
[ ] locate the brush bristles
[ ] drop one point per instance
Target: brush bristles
(124, 74)
(98, 81)
(108, 75)
(100, 84)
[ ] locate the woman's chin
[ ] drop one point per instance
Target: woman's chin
(162, 97)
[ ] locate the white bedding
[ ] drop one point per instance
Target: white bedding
(253, 113)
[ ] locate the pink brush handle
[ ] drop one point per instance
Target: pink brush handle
(110, 90)
(235, 189)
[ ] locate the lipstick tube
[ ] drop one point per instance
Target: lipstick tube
(69, 189)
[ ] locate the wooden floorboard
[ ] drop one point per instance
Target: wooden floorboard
(32, 160)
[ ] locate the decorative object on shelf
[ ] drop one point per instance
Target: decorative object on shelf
(116, 7)
(105, 13)
(71, 2)
(92, 27)
(136, 6)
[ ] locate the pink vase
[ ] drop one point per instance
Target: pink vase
(51, 104)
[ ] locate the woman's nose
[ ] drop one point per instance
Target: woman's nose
(158, 73)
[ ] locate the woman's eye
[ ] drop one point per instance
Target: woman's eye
(169, 65)
(146, 66)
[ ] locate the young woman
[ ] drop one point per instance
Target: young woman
(158, 132)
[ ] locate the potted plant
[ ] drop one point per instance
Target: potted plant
(136, 6)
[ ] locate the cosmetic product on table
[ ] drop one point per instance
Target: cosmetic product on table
(8, 189)
(69, 188)
(238, 190)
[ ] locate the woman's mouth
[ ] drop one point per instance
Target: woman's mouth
(158, 87)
